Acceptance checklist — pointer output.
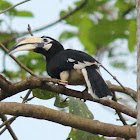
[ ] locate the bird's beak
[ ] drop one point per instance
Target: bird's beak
(27, 44)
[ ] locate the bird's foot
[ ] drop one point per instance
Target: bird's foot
(61, 82)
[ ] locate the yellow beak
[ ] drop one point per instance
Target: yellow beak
(26, 44)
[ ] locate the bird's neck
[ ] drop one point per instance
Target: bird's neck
(52, 52)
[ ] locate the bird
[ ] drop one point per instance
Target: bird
(72, 67)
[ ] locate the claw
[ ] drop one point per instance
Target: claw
(61, 82)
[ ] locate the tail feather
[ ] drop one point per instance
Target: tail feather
(96, 84)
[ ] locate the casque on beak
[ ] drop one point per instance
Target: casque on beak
(27, 44)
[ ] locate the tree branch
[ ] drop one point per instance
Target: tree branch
(114, 77)
(122, 119)
(127, 90)
(29, 30)
(18, 62)
(67, 119)
(34, 82)
(13, 6)
(9, 121)
(4, 118)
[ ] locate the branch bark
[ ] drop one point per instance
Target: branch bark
(67, 119)
(34, 82)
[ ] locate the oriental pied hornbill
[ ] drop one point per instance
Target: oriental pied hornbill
(74, 66)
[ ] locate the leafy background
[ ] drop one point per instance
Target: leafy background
(101, 27)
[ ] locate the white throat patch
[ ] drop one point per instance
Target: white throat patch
(47, 47)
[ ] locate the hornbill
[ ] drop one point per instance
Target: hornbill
(75, 67)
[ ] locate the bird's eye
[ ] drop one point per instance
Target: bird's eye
(45, 40)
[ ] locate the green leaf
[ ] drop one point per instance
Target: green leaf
(5, 36)
(13, 12)
(32, 60)
(122, 5)
(107, 31)
(79, 108)
(59, 102)
(66, 35)
(85, 34)
(4, 4)
(125, 6)
(43, 94)
(11, 74)
(118, 64)
(1, 21)
(91, 5)
(132, 35)
(76, 134)
(23, 14)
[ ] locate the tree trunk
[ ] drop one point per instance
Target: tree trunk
(138, 67)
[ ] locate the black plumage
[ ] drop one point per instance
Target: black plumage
(74, 66)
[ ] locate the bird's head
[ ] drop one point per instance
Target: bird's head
(44, 45)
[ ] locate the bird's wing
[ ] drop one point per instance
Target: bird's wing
(74, 59)
(67, 60)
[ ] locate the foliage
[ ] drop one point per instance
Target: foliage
(13, 12)
(79, 108)
(43, 94)
(100, 23)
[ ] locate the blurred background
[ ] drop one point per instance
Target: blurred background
(105, 29)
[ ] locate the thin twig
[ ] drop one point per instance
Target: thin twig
(25, 99)
(119, 113)
(29, 30)
(26, 96)
(4, 67)
(112, 76)
(4, 118)
(132, 93)
(3, 130)
(18, 62)
(59, 20)
(8, 121)
(13, 6)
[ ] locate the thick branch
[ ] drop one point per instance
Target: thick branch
(4, 83)
(33, 82)
(67, 119)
